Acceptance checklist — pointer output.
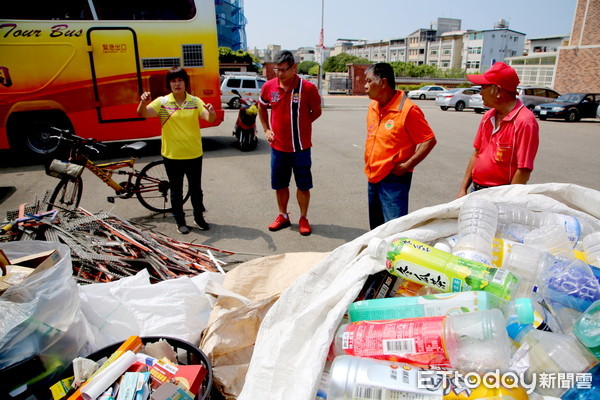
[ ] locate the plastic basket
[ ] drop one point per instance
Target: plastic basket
(187, 354)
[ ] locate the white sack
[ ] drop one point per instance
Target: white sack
(295, 336)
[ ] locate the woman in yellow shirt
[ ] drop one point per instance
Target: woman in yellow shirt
(181, 142)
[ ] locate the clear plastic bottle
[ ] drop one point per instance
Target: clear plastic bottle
(587, 329)
(526, 262)
(551, 353)
(570, 283)
(591, 246)
(511, 214)
(475, 341)
(418, 262)
(439, 304)
(354, 378)
(550, 238)
(477, 223)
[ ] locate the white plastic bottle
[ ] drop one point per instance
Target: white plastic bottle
(354, 378)
(591, 246)
(477, 223)
(511, 214)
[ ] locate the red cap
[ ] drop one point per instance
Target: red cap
(500, 75)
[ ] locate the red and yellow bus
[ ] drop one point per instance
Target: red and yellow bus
(82, 65)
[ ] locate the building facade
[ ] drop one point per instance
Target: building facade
(537, 65)
(231, 24)
(578, 64)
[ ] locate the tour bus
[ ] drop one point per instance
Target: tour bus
(82, 65)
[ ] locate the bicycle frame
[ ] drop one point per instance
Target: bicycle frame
(105, 171)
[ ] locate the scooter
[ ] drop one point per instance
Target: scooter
(245, 125)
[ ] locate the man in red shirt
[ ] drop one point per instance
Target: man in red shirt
(398, 139)
(507, 139)
(295, 103)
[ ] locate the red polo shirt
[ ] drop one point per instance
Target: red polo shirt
(513, 145)
(291, 119)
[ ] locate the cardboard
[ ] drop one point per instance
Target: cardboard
(33, 260)
(190, 377)
(170, 391)
(15, 275)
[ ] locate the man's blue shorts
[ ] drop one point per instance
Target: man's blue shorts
(283, 164)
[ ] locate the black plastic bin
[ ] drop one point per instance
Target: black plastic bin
(187, 354)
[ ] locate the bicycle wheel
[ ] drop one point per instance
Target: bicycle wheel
(153, 190)
(67, 194)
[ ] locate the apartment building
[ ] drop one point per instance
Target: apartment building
(481, 49)
(446, 52)
(537, 65)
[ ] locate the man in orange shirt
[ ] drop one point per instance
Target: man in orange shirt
(398, 138)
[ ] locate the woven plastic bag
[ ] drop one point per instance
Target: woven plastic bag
(295, 335)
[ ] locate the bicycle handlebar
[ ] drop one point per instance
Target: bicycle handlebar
(66, 135)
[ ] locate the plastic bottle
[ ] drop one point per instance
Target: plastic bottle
(355, 378)
(526, 262)
(439, 304)
(587, 329)
(475, 341)
(550, 238)
(591, 246)
(511, 214)
(477, 223)
(570, 283)
(551, 353)
(417, 262)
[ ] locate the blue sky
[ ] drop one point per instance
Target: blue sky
(294, 24)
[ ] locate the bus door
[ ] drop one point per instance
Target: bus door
(116, 75)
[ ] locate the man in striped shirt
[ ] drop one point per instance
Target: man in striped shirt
(295, 103)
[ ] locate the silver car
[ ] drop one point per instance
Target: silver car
(426, 92)
(532, 96)
(460, 99)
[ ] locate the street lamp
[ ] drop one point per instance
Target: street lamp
(321, 47)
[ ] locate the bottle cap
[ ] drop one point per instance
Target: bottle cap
(525, 310)
(374, 247)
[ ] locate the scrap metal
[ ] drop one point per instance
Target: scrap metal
(105, 247)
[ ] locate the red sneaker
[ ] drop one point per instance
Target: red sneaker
(280, 222)
(304, 228)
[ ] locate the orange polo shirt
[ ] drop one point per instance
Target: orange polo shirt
(393, 135)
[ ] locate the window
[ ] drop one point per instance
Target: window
(42, 9)
(248, 84)
(234, 83)
(145, 10)
(192, 55)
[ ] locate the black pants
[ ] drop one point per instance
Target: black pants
(192, 169)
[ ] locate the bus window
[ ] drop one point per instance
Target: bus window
(145, 10)
(47, 10)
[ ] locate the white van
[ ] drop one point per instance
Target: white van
(247, 84)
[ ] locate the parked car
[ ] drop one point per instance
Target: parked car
(460, 99)
(426, 92)
(477, 103)
(532, 96)
(248, 86)
(571, 106)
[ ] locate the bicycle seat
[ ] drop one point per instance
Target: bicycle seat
(134, 147)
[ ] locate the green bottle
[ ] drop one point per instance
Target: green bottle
(420, 263)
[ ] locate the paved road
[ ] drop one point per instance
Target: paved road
(241, 204)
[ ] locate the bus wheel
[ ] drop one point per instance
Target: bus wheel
(37, 137)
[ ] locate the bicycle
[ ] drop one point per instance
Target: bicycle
(150, 184)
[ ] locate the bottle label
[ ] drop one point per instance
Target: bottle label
(417, 341)
(368, 392)
(422, 275)
(572, 227)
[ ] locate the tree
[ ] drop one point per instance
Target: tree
(314, 70)
(338, 62)
(226, 55)
(305, 66)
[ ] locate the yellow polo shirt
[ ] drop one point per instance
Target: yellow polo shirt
(181, 138)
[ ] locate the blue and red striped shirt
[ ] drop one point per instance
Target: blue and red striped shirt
(291, 119)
